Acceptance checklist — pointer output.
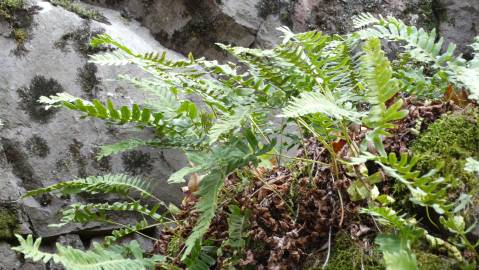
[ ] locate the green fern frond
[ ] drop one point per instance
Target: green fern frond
(228, 123)
(73, 259)
(364, 19)
(313, 102)
(238, 222)
(96, 109)
(119, 147)
(421, 45)
(380, 86)
(110, 183)
(84, 213)
(206, 206)
(118, 234)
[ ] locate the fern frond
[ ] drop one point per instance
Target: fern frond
(364, 19)
(237, 227)
(380, 86)
(73, 259)
(313, 102)
(110, 183)
(421, 45)
(206, 207)
(119, 147)
(84, 213)
(96, 109)
(118, 234)
(228, 123)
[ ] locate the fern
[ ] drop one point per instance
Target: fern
(84, 213)
(309, 103)
(228, 123)
(96, 259)
(110, 183)
(237, 227)
(107, 112)
(206, 206)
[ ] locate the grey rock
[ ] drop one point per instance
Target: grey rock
(9, 260)
(459, 22)
(39, 148)
(268, 36)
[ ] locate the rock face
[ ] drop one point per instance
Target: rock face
(39, 147)
(459, 22)
(49, 55)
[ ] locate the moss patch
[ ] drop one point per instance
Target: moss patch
(448, 142)
(137, 162)
(83, 12)
(428, 261)
(80, 39)
(88, 79)
(8, 223)
(19, 16)
(37, 146)
(39, 86)
(346, 255)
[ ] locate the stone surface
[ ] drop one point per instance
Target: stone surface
(39, 148)
(459, 22)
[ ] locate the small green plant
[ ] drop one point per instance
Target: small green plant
(83, 12)
(322, 84)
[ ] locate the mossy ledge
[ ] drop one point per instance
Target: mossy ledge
(446, 144)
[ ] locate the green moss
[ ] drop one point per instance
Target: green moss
(428, 261)
(346, 255)
(8, 223)
(83, 12)
(447, 143)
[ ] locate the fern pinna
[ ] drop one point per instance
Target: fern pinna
(225, 118)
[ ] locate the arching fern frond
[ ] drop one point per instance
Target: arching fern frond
(364, 19)
(84, 213)
(313, 102)
(98, 258)
(108, 112)
(228, 123)
(110, 183)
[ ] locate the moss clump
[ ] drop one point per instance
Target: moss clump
(447, 143)
(346, 255)
(137, 162)
(39, 86)
(428, 261)
(88, 79)
(37, 146)
(80, 40)
(83, 12)
(8, 223)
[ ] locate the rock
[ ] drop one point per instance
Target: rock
(459, 22)
(9, 260)
(268, 36)
(38, 147)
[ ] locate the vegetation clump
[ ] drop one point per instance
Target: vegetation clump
(82, 11)
(446, 144)
(19, 17)
(8, 223)
(249, 203)
(30, 96)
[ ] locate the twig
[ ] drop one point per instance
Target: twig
(329, 250)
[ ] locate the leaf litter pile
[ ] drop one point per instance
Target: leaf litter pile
(291, 214)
